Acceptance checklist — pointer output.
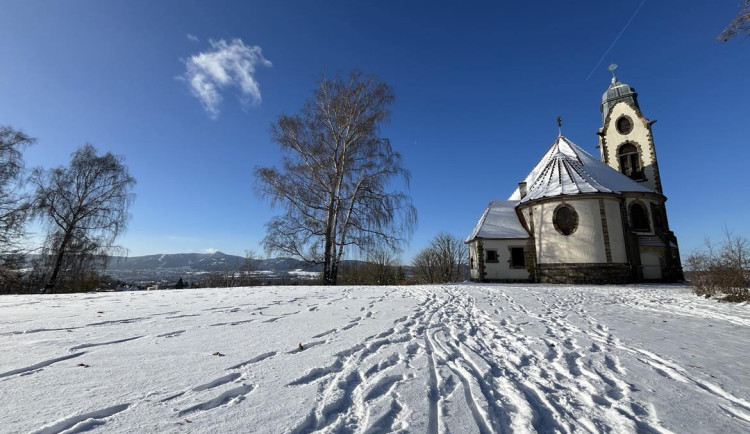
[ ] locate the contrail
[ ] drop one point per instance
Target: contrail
(616, 39)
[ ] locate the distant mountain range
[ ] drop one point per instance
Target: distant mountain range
(201, 262)
(194, 266)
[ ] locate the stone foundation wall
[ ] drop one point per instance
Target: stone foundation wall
(503, 280)
(597, 274)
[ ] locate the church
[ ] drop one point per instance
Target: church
(579, 219)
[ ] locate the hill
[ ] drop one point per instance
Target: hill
(194, 266)
(440, 358)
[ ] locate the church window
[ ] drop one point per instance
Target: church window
(565, 219)
(656, 216)
(630, 161)
(492, 256)
(517, 259)
(624, 125)
(638, 217)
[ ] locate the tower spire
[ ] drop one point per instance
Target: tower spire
(559, 125)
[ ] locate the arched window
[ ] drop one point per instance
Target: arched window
(630, 161)
(639, 218)
(565, 219)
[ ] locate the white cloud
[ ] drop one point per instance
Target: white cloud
(192, 38)
(210, 250)
(226, 64)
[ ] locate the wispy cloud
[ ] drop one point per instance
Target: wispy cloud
(192, 38)
(210, 250)
(224, 65)
(617, 38)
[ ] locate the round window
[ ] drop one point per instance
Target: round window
(565, 219)
(624, 125)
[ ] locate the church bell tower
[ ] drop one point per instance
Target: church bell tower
(626, 144)
(625, 140)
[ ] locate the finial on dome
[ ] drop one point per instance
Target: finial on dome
(559, 125)
(612, 68)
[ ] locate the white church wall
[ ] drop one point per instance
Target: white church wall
(651, 261)
(502, 270)
(585, 245)
(615, 231)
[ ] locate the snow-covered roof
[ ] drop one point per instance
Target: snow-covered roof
(566, 169)
(499, 220)
(653, 240)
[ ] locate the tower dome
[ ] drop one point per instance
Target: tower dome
(616, 92)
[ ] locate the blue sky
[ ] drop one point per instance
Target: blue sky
(478, 86)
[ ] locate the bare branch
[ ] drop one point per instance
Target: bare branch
(740, 24)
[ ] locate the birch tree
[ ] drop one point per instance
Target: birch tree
(335, 177)
(85, 208)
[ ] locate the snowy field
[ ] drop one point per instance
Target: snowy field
(457, 358)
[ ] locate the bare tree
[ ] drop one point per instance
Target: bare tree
(84, 207)
(249, 268)
(14, 206)
(722, 269)
(381, 267)
(444, 260)
(740, 24)
(425, 265)
(335, 176)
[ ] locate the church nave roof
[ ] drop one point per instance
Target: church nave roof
(566, 169)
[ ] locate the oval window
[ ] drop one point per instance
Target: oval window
(624, 125)
(565, 219)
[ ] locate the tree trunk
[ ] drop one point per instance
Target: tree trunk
(50, 287)
(334, 272)
(329, 274)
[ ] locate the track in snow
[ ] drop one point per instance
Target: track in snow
(460, 358)
(505, 378)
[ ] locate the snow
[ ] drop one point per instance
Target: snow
(453, 358)
(499, 220)
(566, 169)
(305, 274)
